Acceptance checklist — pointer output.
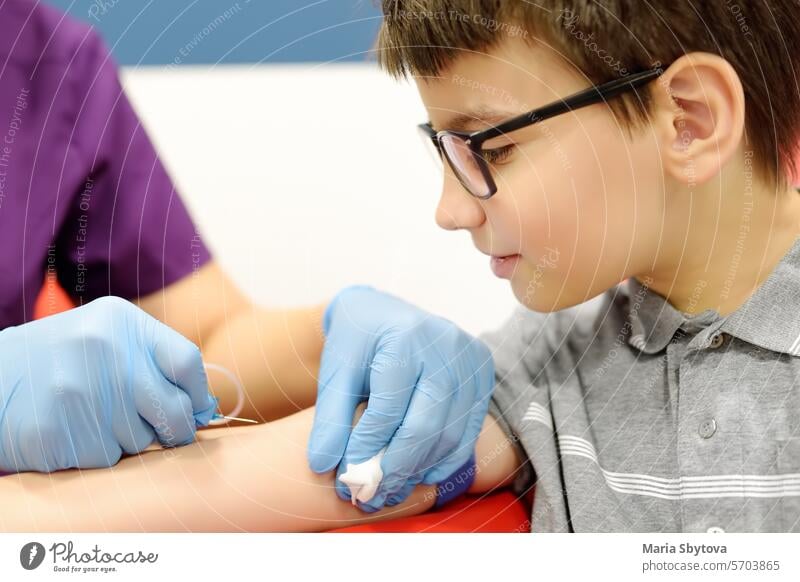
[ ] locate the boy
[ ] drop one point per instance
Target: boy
(670, 409)
(674, 407)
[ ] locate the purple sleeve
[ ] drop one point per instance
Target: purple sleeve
(126, 231)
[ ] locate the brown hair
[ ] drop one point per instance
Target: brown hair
(759, 38)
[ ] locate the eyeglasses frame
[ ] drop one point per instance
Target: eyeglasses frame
(584, 98)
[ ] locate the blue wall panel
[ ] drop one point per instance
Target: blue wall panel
(231, 31)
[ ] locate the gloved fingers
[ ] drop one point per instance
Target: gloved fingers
(68, 437)
(127, 427)
(341, 299)
(448, 465)
(74, 427)
(446, 453)
(88, 446)
(392, 383)
(383, 499)
(404, 492)
(181, 362)
(473, 403)
(38, 455)
(374, 504)
(29, 429)
(36, 443)
(476, 416)
(165, 407)
(417, 436)
(130, 430)
(339, 392)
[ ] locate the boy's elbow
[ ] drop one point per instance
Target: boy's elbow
(497, 459)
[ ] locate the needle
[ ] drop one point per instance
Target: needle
(235, 418)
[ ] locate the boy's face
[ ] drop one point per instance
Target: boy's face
(579, 203)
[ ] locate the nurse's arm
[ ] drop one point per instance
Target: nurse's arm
(231, 479)
(274, 352)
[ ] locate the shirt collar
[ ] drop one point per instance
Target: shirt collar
(654, 321)
(769, 318)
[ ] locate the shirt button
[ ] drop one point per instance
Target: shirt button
(717, 340)
(707, 428)
(715, 529)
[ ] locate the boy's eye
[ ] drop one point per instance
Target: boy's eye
(497, 155)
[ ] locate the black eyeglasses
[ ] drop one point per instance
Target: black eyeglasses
(462, 150)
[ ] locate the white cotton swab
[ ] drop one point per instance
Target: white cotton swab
(364, 478)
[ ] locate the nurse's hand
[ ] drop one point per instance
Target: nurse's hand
(428, 385)
(79, 388)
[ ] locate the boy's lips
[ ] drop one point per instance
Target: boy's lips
(503, 267)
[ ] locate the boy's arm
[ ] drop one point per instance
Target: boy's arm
(497, 460)
(233, 479)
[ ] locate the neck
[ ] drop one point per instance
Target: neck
(728, 239)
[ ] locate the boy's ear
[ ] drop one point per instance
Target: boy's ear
(698, 116)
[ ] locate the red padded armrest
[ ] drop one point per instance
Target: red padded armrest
(499, 512)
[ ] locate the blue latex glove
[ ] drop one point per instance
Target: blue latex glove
(427, 383)
(79, 388)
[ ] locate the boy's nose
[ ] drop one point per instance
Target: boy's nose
(458, 208)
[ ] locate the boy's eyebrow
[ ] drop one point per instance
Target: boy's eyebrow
(476, 119)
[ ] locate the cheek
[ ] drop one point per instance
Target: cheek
(544, 196)
(606, 193)
(620, 197)
(583, 200)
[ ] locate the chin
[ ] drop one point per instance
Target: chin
(546, 297)
(534, 297)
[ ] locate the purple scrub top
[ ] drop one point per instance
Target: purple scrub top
(82, 191)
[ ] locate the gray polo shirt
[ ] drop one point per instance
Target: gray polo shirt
(637, 418)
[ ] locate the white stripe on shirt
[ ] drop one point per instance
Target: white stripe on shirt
(689, 487)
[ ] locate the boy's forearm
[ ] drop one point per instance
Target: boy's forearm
(243, 479)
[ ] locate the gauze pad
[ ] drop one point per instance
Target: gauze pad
(364, 478)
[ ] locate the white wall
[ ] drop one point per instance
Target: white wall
(307, 178)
